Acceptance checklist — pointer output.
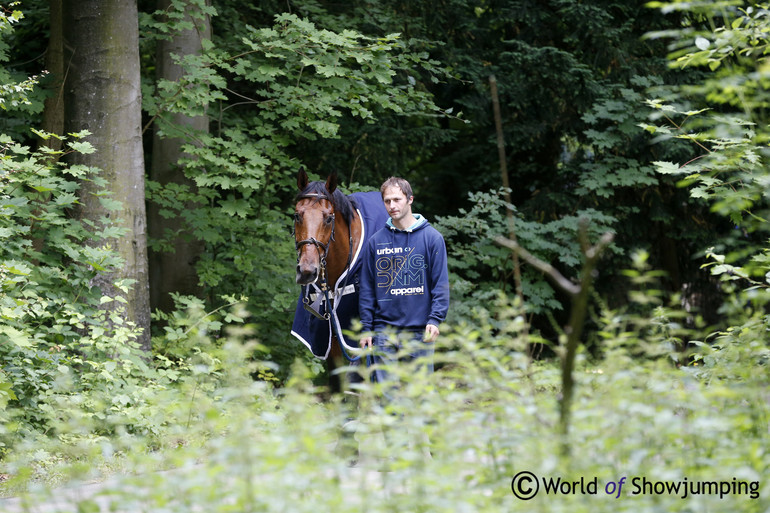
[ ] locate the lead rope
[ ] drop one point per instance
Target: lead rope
(369, 358)
(329, 310)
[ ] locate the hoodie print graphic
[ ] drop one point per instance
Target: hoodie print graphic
(401, 271)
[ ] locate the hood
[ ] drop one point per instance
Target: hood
(420, 221)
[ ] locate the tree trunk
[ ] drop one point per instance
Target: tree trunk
(102, 95)
(174, 271)
(53, 113)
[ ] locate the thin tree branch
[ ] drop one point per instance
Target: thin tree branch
(506, 184)
(574, 329)
(544, 267)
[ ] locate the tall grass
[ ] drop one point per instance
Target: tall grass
(450, 441)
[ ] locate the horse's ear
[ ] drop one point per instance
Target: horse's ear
(302, 179)
(331, 182)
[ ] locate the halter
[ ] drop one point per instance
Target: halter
(315, 242)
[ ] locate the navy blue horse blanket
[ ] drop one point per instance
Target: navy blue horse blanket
(317, 333)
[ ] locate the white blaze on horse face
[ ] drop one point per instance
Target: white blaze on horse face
(312, 222)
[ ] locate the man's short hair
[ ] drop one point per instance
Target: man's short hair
(402, 184)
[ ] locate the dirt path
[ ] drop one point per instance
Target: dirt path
(62, 500)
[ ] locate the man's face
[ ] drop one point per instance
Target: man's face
(397, 204)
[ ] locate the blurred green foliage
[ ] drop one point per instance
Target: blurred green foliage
(450, 441)
(224, 416)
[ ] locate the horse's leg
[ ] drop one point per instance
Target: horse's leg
(336, 384)
(347, 445)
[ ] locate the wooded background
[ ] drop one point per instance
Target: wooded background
(149, 151)
(217, 106)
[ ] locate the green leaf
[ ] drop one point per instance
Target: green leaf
(668, 168)
(110, 204)
(702, 43)
(83, 147)
(235, 207)
(16, 337)
(96, 265)
(19, 269)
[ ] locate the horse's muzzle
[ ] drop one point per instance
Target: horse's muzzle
(307, 275)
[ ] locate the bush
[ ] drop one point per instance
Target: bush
(488, 413)
(481, 268)
(71, 369)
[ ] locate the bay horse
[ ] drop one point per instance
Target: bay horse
(315, 221)
(330, 229)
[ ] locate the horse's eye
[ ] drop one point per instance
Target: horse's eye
(329, 219)
(297, 218)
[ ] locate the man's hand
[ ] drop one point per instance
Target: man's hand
(365, 342)
(431, 333)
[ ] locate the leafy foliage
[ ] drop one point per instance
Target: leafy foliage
(724, 115)
(65, 360)
(488, 413)
(12, 93)
(475, 257)
(724, 118)
(59, 341)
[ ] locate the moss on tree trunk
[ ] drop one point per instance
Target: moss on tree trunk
(102, 95)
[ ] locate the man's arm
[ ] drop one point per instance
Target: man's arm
(366, 296)
(439, 285)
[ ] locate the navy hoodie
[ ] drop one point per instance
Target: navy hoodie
(404, 280)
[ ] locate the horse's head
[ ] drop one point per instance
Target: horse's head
(314, 219)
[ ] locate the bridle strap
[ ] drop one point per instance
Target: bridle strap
(317, 243)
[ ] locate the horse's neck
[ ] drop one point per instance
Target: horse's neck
(341, 250)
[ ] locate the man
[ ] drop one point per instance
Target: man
(404, 286)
